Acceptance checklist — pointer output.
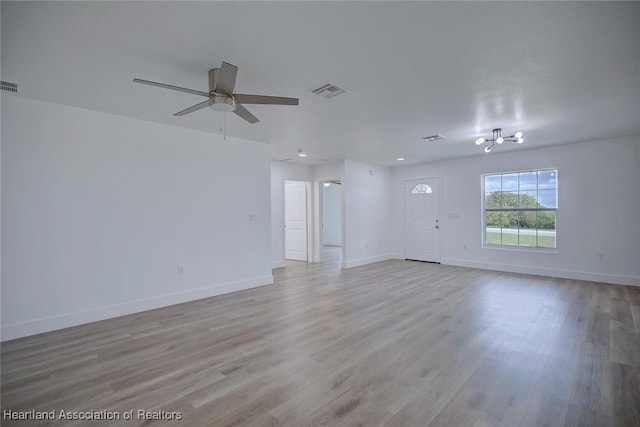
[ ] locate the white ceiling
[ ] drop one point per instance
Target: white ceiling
(560, 72)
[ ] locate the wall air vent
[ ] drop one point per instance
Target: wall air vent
(436, 137)
(8, 87)
(329, 90)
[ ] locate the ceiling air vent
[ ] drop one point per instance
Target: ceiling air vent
(436, 137)
(8, 87)
(329, 90)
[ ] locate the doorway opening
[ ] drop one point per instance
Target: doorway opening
(331, 225)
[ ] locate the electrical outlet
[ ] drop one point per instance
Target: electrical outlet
(464, 246)
(180, 269)
(600, 256)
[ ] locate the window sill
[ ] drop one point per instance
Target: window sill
(521, 248)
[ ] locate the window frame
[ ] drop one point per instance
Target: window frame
(424, 189)
(555, 210)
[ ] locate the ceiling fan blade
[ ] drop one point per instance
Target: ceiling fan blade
(193, 108)
(172, 87)
(227, 79)
(245, 114)
(261, 99)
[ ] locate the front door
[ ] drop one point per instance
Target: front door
(422, 219)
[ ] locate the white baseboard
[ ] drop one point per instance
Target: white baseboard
(279, 264)
(364, 261)
(37, 326)
(544, 271)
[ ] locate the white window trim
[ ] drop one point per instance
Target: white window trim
(517, 248)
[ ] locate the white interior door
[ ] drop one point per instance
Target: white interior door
(295, 220)
(422, 219)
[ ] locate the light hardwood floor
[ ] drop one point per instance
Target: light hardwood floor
(397, 343)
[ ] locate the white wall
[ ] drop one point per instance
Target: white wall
(281, 171)
(599, 204)
(367, 191)
(332, 215)
(98, 210)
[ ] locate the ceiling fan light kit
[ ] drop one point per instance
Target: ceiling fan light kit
(222, 82)
(222, 103)
(498, 139)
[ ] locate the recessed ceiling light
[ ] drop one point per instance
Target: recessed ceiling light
(327, 184)
(400, 159)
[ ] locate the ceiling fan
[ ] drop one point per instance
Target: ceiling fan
(220, 97)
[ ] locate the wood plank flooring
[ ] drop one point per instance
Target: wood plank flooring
(397, 343)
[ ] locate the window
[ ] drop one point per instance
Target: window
(520, 208)
(421, 189)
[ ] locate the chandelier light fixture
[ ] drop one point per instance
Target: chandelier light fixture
(497, 138)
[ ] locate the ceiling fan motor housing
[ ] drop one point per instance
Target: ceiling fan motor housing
(219, 102)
